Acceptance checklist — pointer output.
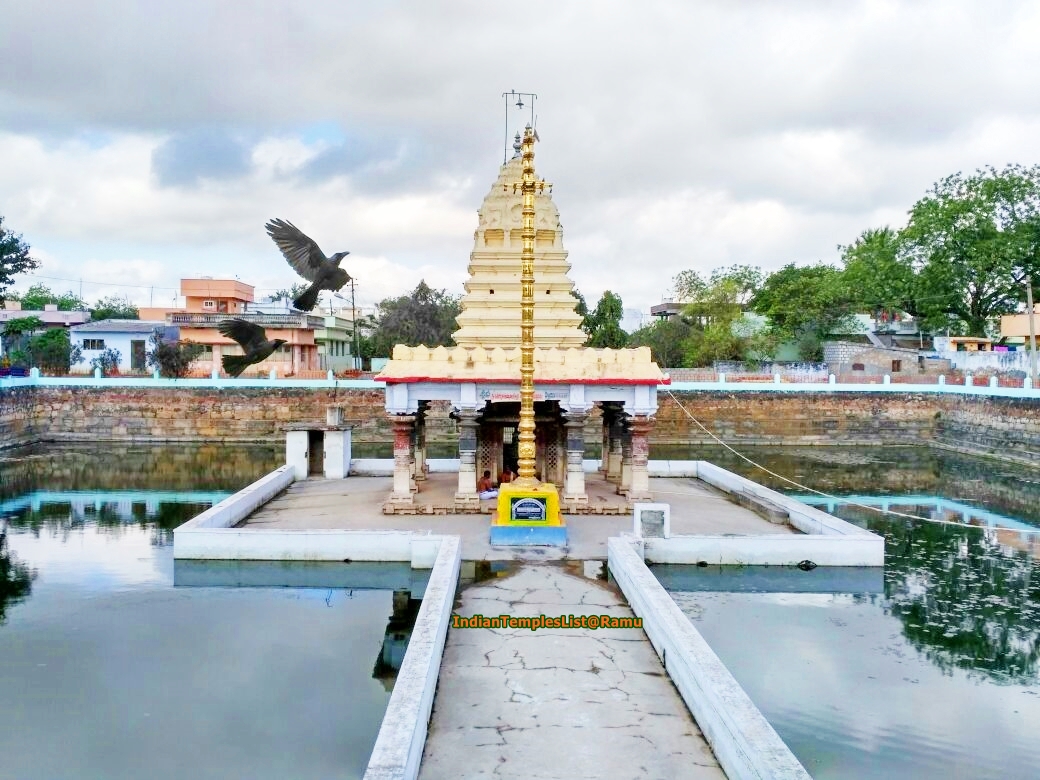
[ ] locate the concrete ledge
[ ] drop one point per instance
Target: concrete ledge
(805, 518)
(237, 507)
(384, 467)
(402, 736)
(285, 544)
(743, 741)
(767, 550)
(545, 536)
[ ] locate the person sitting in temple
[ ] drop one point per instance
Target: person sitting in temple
(485, 487)
(505, 476)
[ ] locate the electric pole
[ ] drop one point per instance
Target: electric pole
(353, 324)
(1032, 331)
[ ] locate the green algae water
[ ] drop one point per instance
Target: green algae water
(927, 669)
(118, 662)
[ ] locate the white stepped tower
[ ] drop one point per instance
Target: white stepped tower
(491, 306)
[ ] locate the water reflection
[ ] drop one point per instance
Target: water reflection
(395, 639)
(15, 577)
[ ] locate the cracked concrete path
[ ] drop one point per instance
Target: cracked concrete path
(557, 703)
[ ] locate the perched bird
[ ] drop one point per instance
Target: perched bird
(308, 261)
(253, 340)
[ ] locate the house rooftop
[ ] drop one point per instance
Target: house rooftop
(120, 326)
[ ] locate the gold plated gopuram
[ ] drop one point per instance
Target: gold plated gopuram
(528, 186)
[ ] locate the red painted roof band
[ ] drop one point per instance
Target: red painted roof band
(407, 380)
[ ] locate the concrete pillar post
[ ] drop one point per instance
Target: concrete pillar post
(297, 452)
(614, 457)
(625, 478)
(574, 484)
(466, 498)
(402, 492)
(640, 425)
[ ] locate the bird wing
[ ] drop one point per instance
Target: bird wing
(305, 257)
(249, 335)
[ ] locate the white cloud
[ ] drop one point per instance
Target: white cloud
(677, 134)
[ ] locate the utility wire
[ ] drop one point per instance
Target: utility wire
(828, 495)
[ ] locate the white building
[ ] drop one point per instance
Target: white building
(129, 337)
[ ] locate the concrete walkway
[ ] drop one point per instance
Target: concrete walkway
(356, 503)
(557, 703)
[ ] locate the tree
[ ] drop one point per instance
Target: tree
(173, 359)
(14, 259)
(53, 352)
(114, 308)
(604, 324)
(805, 304)
(40, 295)
(425, 316)
(16, 332)
(667, 340)
(292, 292)
(877, 276)
(108, 361)
(972, 242)
(715, 310)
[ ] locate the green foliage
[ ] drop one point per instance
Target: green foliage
(603, 325)
(53, 352)
(292, 292)
(973, 241)
(805, 304)
(108, 361)
(172, 359)
(14, 259)
(878, 277)
(425, 316)
(18, 326)
(15, 579)
(114, 308)
(666, 339)
(715, 316)
(39, 295)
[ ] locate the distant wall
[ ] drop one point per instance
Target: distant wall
(1001, 426)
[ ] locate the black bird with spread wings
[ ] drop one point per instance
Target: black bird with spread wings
(308, 261)
(253, 340)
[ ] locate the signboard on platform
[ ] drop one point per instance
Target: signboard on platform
(499, 394)
(527, 509)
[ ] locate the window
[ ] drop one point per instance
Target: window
(207, 352)
(857, 366)
(92, 344)
(897, 366)
(209, 304)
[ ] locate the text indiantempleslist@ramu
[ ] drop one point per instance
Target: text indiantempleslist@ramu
(536, 622)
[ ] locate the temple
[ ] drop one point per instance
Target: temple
(481, 377)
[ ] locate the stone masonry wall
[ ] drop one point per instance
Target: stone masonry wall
(1004, 427)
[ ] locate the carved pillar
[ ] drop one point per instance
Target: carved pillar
(640, 425)
(420, 469)
(403, 426)
(614, 458)
(625, 479)
(466, 496)
(604, 452)
(574, 486)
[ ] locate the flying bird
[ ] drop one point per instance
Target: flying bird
(307, 259)
(253, 340)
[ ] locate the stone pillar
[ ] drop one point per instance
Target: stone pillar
(574, 486)
(402, 492)
(466, 498)
(421, 468)
(604, 452)
(614, 458)
(337, 453)
(625, 479)
(640, 426)
(297, 453)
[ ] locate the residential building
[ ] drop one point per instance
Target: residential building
(210, 301)
(128, 337)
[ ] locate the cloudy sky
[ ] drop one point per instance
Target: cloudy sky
(145, 141)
